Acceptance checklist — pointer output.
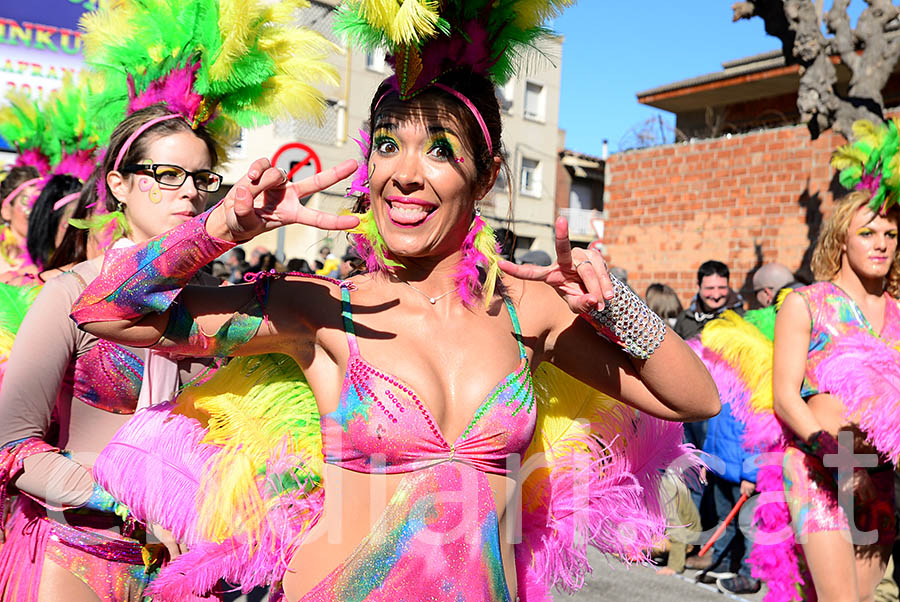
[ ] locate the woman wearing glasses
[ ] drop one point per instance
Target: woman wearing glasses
(66, 392)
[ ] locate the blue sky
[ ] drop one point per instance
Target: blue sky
(614, 49)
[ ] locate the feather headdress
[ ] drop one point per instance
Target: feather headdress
(428, 38)
(24, 126)
(72, 128)
(871, 162)
(217, 63)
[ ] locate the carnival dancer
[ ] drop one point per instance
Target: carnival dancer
(833, 367)
(856, 261)
(422, 368)
(156, 173)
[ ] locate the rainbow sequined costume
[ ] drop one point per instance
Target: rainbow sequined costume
(797, 494)
(233, 468)
(87, 387)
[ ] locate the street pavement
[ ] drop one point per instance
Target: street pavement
(612, 581)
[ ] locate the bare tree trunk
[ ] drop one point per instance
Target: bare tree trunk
(867, 51)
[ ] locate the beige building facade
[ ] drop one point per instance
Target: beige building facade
(530, 131)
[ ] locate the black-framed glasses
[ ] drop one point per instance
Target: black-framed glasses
(174, 176)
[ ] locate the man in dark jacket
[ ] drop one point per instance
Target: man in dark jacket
(733, 473)
(714, 296)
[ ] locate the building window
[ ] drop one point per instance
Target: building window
(375, 60)
(535, 101)
(530, 180)
(505, 95)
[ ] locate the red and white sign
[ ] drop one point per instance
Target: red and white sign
(297, 160)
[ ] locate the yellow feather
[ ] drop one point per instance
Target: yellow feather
(251, 406)
(566, 411)
(380, 13)
(533, 13)
(745, 348)
(237, 19)
(847, 156)
(414, 22)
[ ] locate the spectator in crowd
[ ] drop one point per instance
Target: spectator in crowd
(714, 296)
(234, 260)
(350, 263)
(731, 474)
(268, 263)
(219, 270)
(663, 300)
(331, 265)
(319, 263)
(299, 265)
(769, 279)
(256, 256)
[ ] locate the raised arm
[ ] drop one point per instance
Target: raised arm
(137, 299)
(636, 358)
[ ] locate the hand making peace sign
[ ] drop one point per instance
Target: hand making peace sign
(579, 276)
(264, 200)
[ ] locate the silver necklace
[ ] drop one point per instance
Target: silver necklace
(431, 299)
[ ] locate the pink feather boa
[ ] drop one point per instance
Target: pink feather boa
(864, 373)
(608, 498)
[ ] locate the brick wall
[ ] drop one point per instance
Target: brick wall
(745, 200)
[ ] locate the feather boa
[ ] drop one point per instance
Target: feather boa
(592, 476)
(864, 373)
(14, 304)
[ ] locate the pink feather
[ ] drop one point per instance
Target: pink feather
(33, 158)
(360, 183)
(864, 373)
(159, 479)
(79, 164)
(467, 278)
(175, 90)
(608, 497)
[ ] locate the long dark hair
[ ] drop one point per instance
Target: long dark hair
(43, 223)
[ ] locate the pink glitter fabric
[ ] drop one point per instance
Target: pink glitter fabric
(812, 497)
(438, 539)
(382, 426)
(834, 314)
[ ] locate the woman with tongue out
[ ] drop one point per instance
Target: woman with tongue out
(422, 366)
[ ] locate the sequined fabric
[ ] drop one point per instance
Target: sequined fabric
(833, 315)
(437, 540)
(382, 426)
(109, 377)
(146, 278)
(812, 496)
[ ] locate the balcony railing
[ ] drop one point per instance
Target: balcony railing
(581, 222)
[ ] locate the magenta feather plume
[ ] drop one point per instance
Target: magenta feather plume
(606, 495)
(864, 373)
(775, 556)
(360, 183)
(175, 90)
(33, 158)
(159, 478)
(263, 562)
(467, 278)
(79, 164)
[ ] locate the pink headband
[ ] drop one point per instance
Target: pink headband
(8, 198)
(65, 201)
(462, 98)
(138, 132)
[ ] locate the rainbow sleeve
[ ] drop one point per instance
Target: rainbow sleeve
(147, 278)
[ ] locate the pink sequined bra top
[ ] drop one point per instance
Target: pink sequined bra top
(109, 377)
(382, 426)
(834, 314)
